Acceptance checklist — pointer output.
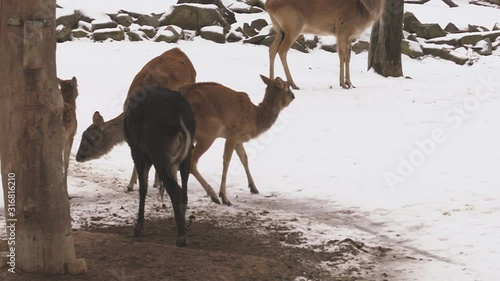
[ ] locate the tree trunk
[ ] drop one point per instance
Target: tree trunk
(385, 42)
(31, 143)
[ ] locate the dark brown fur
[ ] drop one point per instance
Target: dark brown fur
(172, 70)
(69, 92)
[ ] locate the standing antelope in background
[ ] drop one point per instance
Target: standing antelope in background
(221, 112)
(345, 19)
(170, 70)
(159, 129)
(69, 92)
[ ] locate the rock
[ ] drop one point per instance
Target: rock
(430, 30)
(148, 20)
(63, 33)
(224, 11)
(84, 17)
(249, 30)
(176, 30)
(169, 34)
(471, 39)
(112, 16)
(108, 33)
(451, 28)
(411, 49)
(296, 46)
(360, 46)
(194, 17)
(267, 40)
(484, 47)
(427, 31)
(135, 36)
(444, 53)
(124, 19)
(103, 24)
(496, 26)
(256, 3)
(332, 48)
(493, 35)
(189, 35)
(258, 24)
(70, 21)
(257, 39)
(477, 28)
(85, 26)
(243, 8)
(79, 33)
(148, 30)
(412, 37)
(299, 47)
(79, 266)
(462, 39)
(234, 36)
(213, 33)
(309, 41)
(495, 44)
(410, 22)
(132, 14)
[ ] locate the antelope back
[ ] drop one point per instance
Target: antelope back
(172, 70)
(324, 17)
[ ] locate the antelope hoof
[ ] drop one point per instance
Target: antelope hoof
(215, 199)
(130, 188)
(347, 85)
(253, 189)
(225, 201)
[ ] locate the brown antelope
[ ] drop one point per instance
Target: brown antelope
(159, 129)
(345, 19)
(170, 70)
(69, 92)
(221, 112)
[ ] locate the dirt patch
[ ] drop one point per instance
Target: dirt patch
(213, 253)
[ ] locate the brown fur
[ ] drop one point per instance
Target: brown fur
(171, 70)
(221, 112)
(345, 19)
(69, 92)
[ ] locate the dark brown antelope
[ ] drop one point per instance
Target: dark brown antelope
(170, 70)
(160, 128)
(345, 19)
(221, 112)
(69, 92)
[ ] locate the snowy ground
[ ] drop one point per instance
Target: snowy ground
(409, 164)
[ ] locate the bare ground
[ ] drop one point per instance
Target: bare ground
(213, 253)
(248, 242)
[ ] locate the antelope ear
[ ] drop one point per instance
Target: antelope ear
(74, 82)
(281, 83)
(265, 79)
(97, 119)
